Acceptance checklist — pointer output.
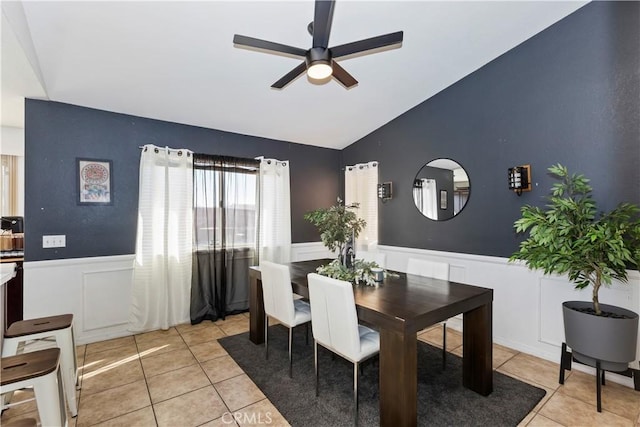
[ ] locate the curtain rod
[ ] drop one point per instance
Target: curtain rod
(276, 161)
(362, 165)
(157, 149)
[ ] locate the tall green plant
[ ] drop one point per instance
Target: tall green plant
(336, 225)
(571, 237)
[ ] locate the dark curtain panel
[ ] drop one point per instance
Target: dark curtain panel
(225, 234)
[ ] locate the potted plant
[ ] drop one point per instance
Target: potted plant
(337, 225)
(571, 237)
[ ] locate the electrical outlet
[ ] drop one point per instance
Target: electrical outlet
(59, 241)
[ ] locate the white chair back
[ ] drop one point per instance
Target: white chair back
(377, 257)
(425, 268)
(334, 320)
(436, 270)
(277, 292)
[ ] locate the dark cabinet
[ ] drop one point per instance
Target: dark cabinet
(13, 297)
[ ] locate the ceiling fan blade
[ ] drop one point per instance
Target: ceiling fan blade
(323, 15)
(367, 44)
(267, 45)
(290, 76)
(342, 76)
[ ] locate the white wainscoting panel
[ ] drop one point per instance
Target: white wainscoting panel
(457, 273)
(552, 290)
(96, 290)
(308, 251)
(106, 285)
(526, 304)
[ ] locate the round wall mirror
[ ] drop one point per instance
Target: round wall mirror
(441, 189)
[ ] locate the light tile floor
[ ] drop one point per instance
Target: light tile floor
(183, 377)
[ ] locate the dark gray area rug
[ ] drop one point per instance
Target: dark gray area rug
(442, 400)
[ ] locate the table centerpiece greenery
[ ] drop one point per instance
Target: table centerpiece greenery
(360, 272)
(337, 225)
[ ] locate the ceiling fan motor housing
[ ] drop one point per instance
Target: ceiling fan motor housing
(319, 55)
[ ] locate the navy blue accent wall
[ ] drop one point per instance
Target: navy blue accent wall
(56, 134)
(569, 95)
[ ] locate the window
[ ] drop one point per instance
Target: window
(8, 185)
(225, 207)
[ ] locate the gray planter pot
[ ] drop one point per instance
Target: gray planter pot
(610, 340)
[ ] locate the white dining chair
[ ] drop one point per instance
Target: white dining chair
(335, 326)
(377, 257)
(436, 270)
(280, 304)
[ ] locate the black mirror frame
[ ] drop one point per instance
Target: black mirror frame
(439, 192)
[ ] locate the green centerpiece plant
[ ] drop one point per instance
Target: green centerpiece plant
(337, 225)
(362, 272)
(571, 237)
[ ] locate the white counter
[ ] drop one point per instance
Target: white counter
(7, 272)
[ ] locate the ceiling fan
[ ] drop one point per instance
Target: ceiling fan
(319, 60)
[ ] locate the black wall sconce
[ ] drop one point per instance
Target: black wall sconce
(385, 191)
(520, 179)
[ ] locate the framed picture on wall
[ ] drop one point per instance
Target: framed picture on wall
(94, 182)
(443, 199)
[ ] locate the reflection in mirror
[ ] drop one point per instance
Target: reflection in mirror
(441, 189)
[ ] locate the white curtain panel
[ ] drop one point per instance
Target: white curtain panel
(361, 186)
(275, 211)
(429, 198)
(162, 268)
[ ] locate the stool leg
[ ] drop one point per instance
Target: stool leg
(75, 357)
(9, 348)
(67, 366)
(49, 408)
(63, 408)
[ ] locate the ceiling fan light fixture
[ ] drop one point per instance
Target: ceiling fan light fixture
(319, 70)
(318, 63)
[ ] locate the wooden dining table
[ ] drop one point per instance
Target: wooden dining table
(400, 307)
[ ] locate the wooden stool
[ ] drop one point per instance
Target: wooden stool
(59, 327)
(40, 370)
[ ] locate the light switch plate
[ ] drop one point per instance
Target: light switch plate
(58, 241)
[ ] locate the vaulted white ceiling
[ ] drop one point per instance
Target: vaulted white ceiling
(176, 61)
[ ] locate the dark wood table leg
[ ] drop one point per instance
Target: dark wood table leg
(256, 311)
(398, 379)
(477, 355)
